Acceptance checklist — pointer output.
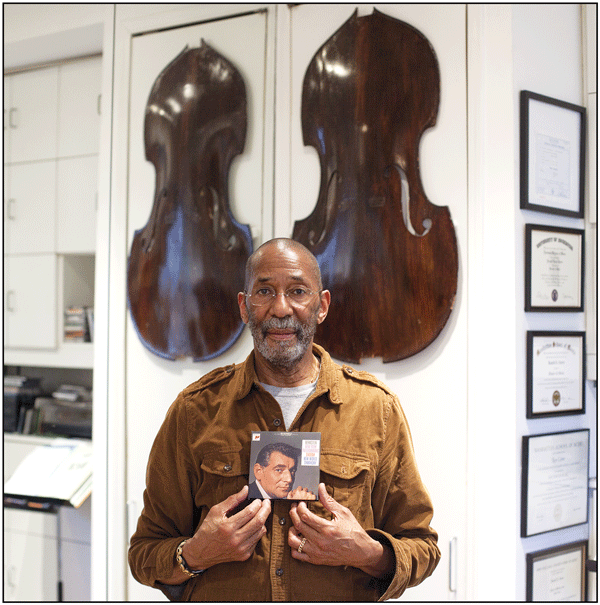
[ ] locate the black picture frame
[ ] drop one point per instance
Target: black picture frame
(548, 298)
(556, 570)
(554, 481)
(546, 394)
(554, 157)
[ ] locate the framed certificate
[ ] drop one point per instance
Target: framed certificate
(552, 155)
(554, 258)
(554, 490)
(557, 574)
(555, 373)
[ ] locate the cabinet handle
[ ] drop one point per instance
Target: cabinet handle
(13, 113)
(10, 298)
(99, 105)
(11, 576)
(453, 565)
(10, 215)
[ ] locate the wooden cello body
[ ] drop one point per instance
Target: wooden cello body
(187, 263)
(387, 254)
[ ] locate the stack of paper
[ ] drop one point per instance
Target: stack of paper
(60, 472)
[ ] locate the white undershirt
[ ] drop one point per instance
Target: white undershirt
(290, 399)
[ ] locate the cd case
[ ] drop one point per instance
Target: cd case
(284, 466)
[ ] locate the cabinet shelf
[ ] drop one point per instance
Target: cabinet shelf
(79, 355)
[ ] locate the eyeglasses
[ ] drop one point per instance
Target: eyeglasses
(298, 296)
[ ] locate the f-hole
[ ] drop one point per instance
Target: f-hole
(405, 200)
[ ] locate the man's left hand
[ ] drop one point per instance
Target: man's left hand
(339, 541)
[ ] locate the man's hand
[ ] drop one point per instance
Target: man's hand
(221, 538)
(301, 493)
(341, 541)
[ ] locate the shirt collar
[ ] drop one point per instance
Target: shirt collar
(245, 377)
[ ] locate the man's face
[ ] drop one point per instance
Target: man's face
(277, 478)
(282, 332)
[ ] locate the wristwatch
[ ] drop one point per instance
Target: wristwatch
(192, 573)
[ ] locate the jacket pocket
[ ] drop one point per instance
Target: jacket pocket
(346, 477)
(225, 473)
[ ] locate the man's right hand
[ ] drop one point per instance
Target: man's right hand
(221, 538)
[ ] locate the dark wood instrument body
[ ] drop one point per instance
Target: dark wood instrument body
(368, 95)
(187, 264)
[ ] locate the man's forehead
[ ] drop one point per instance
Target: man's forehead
(278, 264)
(278, 458)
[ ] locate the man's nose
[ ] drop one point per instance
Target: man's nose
(287, 476)
(280, 307)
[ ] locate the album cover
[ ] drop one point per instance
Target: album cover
(284, 466)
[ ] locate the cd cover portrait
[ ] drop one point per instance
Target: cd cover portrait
(284, 466)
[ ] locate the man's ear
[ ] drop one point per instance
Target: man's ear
(258, 471)
(324, 308)
(242, 305)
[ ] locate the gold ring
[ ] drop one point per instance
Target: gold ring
(302, 545)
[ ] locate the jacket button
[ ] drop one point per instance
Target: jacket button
(227, 468)
(279, 572)
(276, 422)
(282, 521)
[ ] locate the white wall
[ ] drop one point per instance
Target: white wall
(547, 50)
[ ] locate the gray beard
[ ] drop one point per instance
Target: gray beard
(283, 355)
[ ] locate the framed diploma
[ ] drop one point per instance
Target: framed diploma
(555, 373)
(557, 574)
(552, 155)
(554, 258)
(554, 491)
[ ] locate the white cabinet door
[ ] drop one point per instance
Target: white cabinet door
(34, 109)
(152, 382)
(432, 386)
(30, 567)
(31, 292)
(79, 107)
(76, 205)
(31, 208)
(7, 118)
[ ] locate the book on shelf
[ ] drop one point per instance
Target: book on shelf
(78, 324)
(58, 473)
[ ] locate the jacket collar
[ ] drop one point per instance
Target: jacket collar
(245, 377)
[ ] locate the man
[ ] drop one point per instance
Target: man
(275, 471)
(368, 535)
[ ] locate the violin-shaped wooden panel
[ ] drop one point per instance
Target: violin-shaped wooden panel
(388, 255)
(187, 264)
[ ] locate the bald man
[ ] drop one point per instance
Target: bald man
(367, 537)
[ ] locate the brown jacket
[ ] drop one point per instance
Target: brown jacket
(201, 456)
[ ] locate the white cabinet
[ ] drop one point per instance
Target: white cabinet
(31, 547)
(33, 115)
(79, 108)
(30, 566)
(30, 305)
(31, 208)
(151, 383)
(76, 207)
(7, 118)
(51, 144)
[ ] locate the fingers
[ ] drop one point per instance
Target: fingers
(234, 500)
(328, 501)
(305, 522)
(301, 493)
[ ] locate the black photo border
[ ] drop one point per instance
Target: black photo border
(529, 228)
(525, 98)
(548, 553)
(531, 336)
